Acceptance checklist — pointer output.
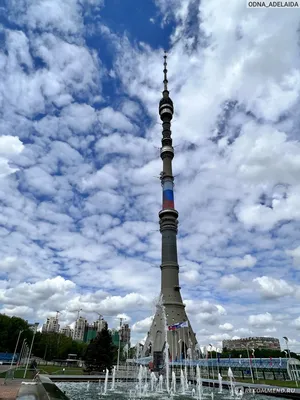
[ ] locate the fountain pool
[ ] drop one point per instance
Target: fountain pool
(126, 391)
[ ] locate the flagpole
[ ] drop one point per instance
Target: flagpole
(29, 355)
(218, 360)
(255, 366)
(180, 349)
(212, 366)
(189, 347)
(13, 357)
(250, 364)
(22, 352)
(172, 340)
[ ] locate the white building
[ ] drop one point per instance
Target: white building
(67, 331)
(51, 325)
(100, 324)
(79, 328)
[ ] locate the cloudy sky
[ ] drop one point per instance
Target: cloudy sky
(80, 82)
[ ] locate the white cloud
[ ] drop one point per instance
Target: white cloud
(10, 146)
(247, 261)
(83, 204)
(260, 320)
(220, 336)
(143, 325)
(231, 282)
(271, 330)
(226, 327)
(271, 288)
(295, 254)
(296, 323)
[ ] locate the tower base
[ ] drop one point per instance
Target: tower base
(158, 361)
(181, 342)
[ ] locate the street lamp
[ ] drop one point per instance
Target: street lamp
(295, 373)
(212, 363)
(253, 354)
(29, 355)
(119, 349)
(247, 348)
(13, 357)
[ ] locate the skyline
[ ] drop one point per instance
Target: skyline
(79, 162)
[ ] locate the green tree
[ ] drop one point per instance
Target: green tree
(9, 331)
(100, 352)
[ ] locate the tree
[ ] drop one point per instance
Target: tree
(9, 331)
(100, 352)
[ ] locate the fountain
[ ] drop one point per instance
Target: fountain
(166, 350)
(113, 378)
(182, 381)
(154, 388)
(153, 381)
(198, 383)
(106, 380)
(220, 383)
(160, 383)
(230, 376)
(173, 384)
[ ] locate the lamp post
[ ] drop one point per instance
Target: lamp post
(119, 349)
(295, 373)
(22, 352)
(212, 363)
(250, 364)
(13, 357)
(34, 332)
(253, 353)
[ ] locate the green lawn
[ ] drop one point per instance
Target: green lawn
(46, 369)
(272, 382)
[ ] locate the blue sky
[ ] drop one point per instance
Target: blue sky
(79, 162)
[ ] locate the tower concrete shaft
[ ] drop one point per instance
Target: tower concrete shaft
(182, 340)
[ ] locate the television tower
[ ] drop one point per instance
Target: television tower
(181, 341)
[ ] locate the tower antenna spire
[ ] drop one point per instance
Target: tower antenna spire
(165, 71)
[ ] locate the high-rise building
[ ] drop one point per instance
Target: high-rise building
(124, 333)
(101, 324)
(115, 337)
(51, 325)
(79, 328)
(90, 332)
(181, 339)
(67, 331)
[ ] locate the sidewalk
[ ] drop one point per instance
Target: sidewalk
(9, 390)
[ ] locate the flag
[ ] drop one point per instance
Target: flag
(184, 324)
(171, 328)
(178, 325)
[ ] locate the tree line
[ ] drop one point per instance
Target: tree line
(99, 354)
(48, 346)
